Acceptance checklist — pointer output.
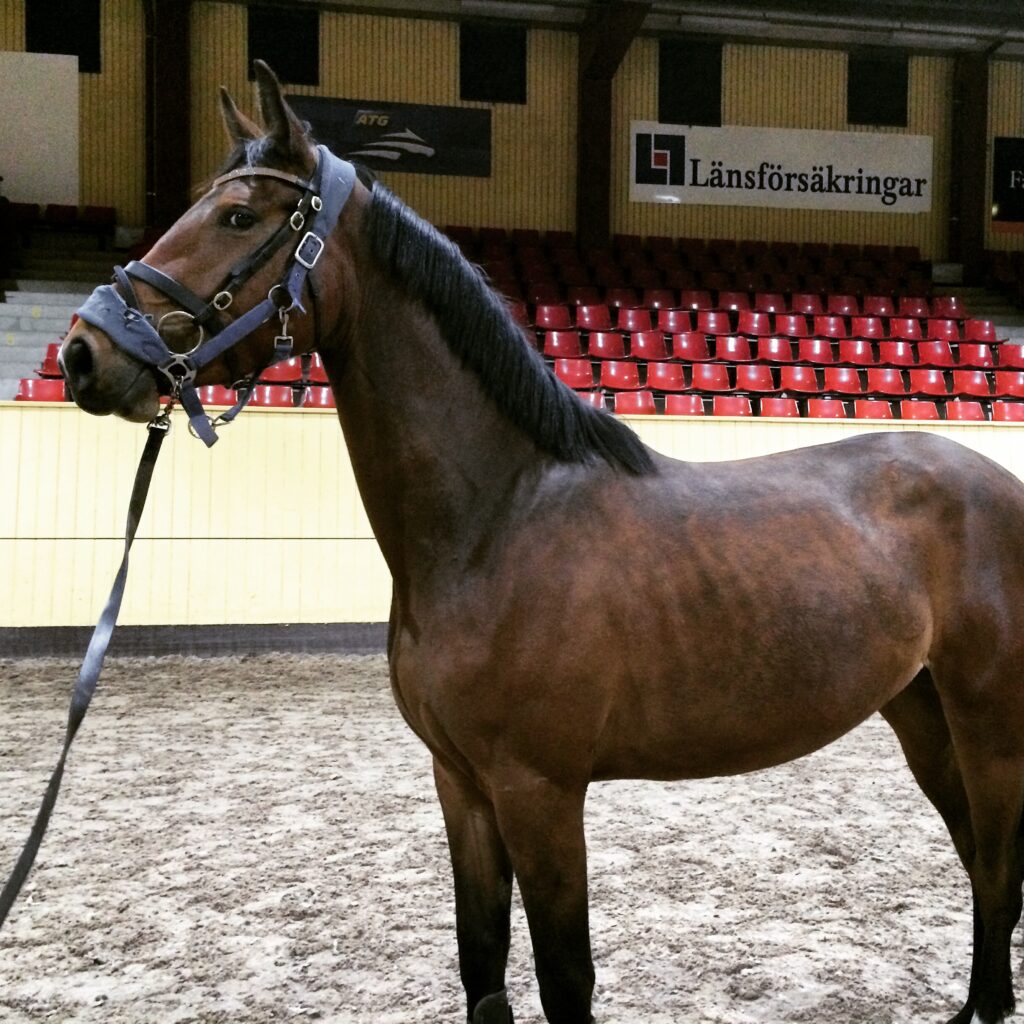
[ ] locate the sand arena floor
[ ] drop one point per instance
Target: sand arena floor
(257, 840)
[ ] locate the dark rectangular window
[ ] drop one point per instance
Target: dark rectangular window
(288, 40)
(492, 63)
(65, 26)
(689, 82)
(876, 88)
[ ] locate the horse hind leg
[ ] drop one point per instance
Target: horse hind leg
(983, 707)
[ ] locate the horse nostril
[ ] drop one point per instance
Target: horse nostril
(77, 360)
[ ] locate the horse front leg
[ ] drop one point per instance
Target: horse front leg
(483, 894)
(542, 825)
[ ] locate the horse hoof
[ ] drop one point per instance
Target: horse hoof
(493, 1009)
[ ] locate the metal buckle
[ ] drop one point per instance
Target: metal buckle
(297, 221)
(222, 300)
(180, 371)
(315, 242)
(317, 203)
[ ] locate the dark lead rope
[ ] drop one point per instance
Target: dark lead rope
(92, 664)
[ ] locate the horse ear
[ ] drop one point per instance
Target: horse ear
(282, 125)
(239, 128)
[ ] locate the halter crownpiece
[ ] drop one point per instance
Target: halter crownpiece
(122, 319)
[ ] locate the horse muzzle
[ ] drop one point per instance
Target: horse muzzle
(103, 379)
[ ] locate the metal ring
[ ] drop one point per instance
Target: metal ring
(280, 305)
(222, 300)
(297, 221)
(317, 203)
(189, 316)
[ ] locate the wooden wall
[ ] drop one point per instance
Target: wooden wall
(266, 527)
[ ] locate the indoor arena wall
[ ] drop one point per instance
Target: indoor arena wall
(266, 527)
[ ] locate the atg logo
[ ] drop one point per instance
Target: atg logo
(376, 118)
(660, 159)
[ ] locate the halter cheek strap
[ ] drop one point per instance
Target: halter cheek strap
(122, 319)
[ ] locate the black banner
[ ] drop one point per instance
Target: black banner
(409, 137)
(1008, 184)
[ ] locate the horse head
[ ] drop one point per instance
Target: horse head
(210, 302)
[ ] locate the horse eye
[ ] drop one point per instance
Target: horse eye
(239, 218)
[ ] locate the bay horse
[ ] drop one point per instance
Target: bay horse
(569, 605)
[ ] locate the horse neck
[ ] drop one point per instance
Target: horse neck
(436, 463)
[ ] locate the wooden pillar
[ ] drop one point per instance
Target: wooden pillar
(968, 211)
(604, 39)
(168, 121)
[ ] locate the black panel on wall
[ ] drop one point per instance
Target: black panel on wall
(876, 88)
(689, 82)
(288, 40)
(65, 26)
(492, 63)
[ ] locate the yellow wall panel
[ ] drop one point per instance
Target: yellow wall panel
(266, 527)
(415, 60)
(784, 87)
(12, 25)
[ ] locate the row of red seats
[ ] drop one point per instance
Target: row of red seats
(646, 403)
(615, 375)
(278, 396)
(696, 346)
(948, 307)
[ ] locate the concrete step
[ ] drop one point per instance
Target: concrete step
(24, 323)
(8, 388)
(65, 283)
(28, 339)
(99, 263)
(42, 279)
(55, 300)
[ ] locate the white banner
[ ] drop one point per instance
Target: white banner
(782, 167)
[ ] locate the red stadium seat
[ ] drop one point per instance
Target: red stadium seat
(1011, 355)
(754, 377)
(793, 325)
(713, 321)
(896, 353)
(217, 394)
(692, 298)
(710, 377)
(684, 405)
(753, 323)
(770, 302)
(808, 303)
(734, 301)
(905, 328)
(272, 396)
(857, 351)
(583, 295)
(675, 321)
(843, 305)
(690, 345)
(649, 345)
(635, 403)
(885, 380)
(564, 344)
(620, 375)
(617, 297)
(943, 330)
(802, 379)
(927, 381)
(913, 306)
(731, 405)
(288, 371)
(843, 380)
(318, 398)
(49, 366)
(815, 350)
(658, 298)
(550, 317)
(1008, 412)
(964, 409)
(606, 345)
(317, 373)
(1009, 383)
(970, 382)
(732, 347)
(979, 330)
(935, 353)
(592, 398)
(948, 306)
(577, 373)
(872, 409)
(877, 305)
(784, 407)
(830, 326)
(919, 409)
(866, 327)
(775, 350)
(666, 376)
(826, 408)
(44, 389)
(631, 319)
(593, 318)
(974, 353)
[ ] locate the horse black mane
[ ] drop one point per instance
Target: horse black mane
(480, 330)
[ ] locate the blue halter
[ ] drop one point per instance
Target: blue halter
(323, 199)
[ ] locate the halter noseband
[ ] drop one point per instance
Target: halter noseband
(122, 319)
